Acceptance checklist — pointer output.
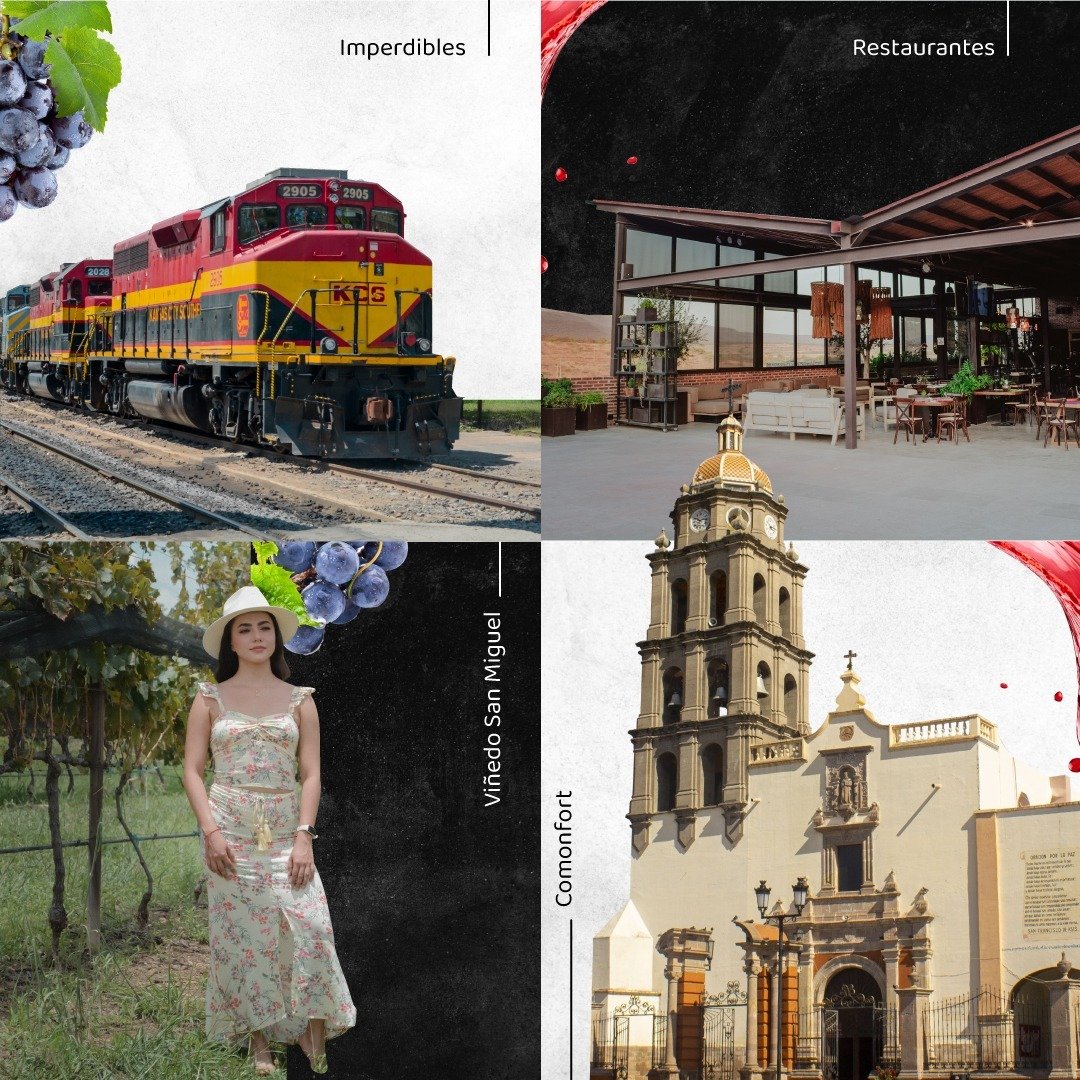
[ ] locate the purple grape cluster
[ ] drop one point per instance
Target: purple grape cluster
(338, 579)
(34, 141)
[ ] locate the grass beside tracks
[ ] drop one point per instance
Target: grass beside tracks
(136, 1009)
(519, 417)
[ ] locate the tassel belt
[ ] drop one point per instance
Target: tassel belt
(259, 814)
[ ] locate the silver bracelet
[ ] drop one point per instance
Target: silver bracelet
(309, 829)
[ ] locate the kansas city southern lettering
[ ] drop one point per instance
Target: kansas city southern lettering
(347, 292)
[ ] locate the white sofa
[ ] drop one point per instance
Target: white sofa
(798, 412)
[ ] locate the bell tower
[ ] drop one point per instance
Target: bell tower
(724, 665)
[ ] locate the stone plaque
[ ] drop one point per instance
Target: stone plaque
(1051, 893)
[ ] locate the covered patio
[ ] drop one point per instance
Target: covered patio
(995, 247)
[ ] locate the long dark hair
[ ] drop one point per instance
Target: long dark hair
(228, 663)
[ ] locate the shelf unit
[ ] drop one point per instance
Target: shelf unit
(652, 366)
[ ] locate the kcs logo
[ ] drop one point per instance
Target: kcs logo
(348, 292)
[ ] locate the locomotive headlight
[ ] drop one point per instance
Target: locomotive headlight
(423, 344)
(328, 345)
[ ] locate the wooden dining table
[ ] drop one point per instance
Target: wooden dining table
(1005, 396)
(924, 401)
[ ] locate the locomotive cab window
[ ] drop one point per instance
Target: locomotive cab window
(217, 231)
(253, 221)
(74, 292)
(384, 219)
(305, 215)
(349, 217)
(99, 287)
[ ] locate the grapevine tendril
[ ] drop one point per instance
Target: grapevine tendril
(362, 568)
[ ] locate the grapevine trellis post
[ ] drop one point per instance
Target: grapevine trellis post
(33, 633)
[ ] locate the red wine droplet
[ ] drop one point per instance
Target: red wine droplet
(543, 264)
(1057, 562)
(632, 159)
(1074, 765)
(560, 174)
(1004, 686)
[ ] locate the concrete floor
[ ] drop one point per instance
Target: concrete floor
(620, 484)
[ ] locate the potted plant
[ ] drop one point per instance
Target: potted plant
(966, 382)
(557, 407)
(646, 310)
(658, 338)
(591, 411)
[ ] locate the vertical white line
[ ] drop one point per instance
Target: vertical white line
(1008, 35)
(500, 568)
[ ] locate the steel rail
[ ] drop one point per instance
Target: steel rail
(201, 513)
(432, 489)
(333, 466)
(41, 511)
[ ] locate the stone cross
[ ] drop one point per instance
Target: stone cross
(849, 656)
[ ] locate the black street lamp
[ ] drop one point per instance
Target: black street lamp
(799, 890)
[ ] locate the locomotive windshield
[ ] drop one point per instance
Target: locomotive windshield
(384, 219)
(253, 221)
(305, 215)
(99, 287)
(349, 217)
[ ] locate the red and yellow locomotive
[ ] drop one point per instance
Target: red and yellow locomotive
(295, 314)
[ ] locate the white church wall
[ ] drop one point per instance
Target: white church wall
(1039, 888)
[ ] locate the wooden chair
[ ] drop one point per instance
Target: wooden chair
(1045, 409)
(1058, 425)
(906, 419)
(955, 420)
(1021, 409)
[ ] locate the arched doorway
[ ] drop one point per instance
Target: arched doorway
(852, 1025)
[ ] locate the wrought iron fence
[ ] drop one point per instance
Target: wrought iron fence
(659, 1041)
(611, 1036)
(989, 1032)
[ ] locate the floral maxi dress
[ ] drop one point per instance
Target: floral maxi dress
(272, 959)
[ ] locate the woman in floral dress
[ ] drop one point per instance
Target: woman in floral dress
(274, 972)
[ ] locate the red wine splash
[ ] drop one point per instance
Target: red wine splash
(558, 20)
(1057, 562)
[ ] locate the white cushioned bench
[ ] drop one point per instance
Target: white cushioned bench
(799, 412)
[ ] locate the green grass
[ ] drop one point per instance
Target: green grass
(137, 1009)
(520, 417)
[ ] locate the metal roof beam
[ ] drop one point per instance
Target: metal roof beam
(1047, 178)
(723, 219)
(1065, 143)
(1068, 229)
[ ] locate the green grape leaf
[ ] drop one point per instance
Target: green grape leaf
(265, 550)
(37, 16)
(277, 585)
(84, 69)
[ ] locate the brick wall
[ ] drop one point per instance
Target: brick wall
(1065, 322)
(749, 379)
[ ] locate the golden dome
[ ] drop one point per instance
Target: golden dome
(730, 464)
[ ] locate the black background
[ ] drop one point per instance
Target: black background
(761, 107)
(433, 897)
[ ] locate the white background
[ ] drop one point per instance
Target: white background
(937, 628)
(217, 95)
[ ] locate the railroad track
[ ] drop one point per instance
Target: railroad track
(341, 468)
(57, 519)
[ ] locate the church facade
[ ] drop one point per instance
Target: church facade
(937, 929)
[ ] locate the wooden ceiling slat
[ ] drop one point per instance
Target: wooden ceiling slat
(1051, 181)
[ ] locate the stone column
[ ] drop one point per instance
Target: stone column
(652, 688)
(742, 676)
(672, 972)
(697, 593)
(752, 967)
(741, 586)
(659, 619)
(806, 1048)
(695, 683)
(776, 1014)
(772, 599)
(912, 1002)
(1064, 996)
(797, 638)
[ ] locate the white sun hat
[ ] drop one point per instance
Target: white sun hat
(249, 598)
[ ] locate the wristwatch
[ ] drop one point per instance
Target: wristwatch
(309, 829)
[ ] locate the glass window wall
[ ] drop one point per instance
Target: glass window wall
(648, 253)
(736, 335)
